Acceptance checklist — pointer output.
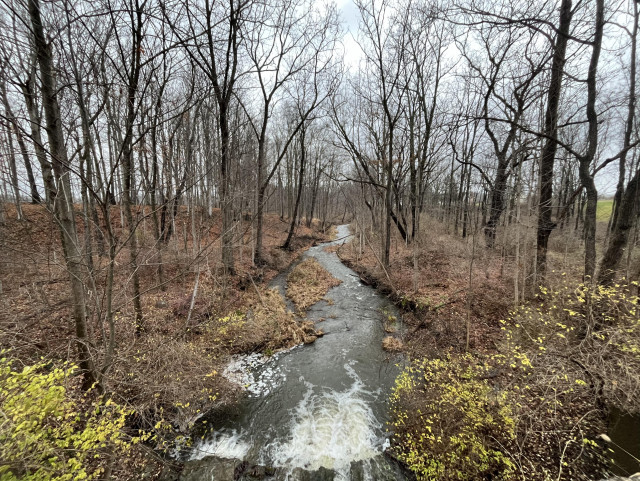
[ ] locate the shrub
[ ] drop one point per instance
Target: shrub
(449, 423)
(46, 434)
(582, 343)
(565, 357)
(591, 331)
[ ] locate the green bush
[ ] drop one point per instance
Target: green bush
(46, 433)
(534, 409)
(449, 423)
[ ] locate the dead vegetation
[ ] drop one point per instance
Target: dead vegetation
(171, 371)
(308, 283)
(430, 282)
(392, 344)
(283, 329)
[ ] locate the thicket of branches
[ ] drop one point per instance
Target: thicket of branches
(500, 116)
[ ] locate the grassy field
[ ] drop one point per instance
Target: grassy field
(605, 206)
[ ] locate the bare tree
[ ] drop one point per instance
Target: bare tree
(550, 132)
(63, 198)
(626, 198)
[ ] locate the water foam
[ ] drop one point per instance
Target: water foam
(329, 430)
(256, 373)
(223, 444)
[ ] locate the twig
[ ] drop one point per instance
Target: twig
(257, 291)
(193, 300)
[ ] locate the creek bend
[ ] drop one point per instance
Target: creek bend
(317, 411)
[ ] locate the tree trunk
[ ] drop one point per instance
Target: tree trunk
(63, 200)
(303, 154)
(625, 200)
(128, 183)
(620, 235)
(227, 206)
(497, 203)
(13, 173)
(261, 197)
(28, 92)
(547, 159)
(585, 162)
(35, 196)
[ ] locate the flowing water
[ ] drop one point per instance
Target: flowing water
(624, 431)
(316, 411)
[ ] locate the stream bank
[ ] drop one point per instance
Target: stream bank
(323, 414)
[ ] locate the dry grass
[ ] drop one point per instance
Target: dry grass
(435, 295)
(392, 344)
(283, 330)
(308, 283)
(171, 371)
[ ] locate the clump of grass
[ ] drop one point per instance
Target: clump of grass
(279, 327)
(308, 283)
(392, 344)
(332, 233)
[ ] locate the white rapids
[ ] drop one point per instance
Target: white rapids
(317, 411)
(223, 444)
(330, 430)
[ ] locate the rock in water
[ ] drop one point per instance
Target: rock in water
(210, 468)
(321, 474)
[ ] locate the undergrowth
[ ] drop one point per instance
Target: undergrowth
(449, 424)
(47, 434)
(534, 409)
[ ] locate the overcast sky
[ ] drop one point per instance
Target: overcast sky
(605, 181)
(349, 13)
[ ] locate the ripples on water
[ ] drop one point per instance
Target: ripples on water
(308, 409)
(328, 429)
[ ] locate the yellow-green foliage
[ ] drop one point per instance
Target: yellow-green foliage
(45, 434)
(231, 324)
(582, 343)
(574, 348)
(449, 423)
(594, 330)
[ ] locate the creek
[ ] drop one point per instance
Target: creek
(624, 431)
(318, 411)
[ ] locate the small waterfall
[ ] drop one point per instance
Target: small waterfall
(330, 430)
(222, 444)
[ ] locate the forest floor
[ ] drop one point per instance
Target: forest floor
(448, 288)
(443, 282)
(171, 373)
(431, 283)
